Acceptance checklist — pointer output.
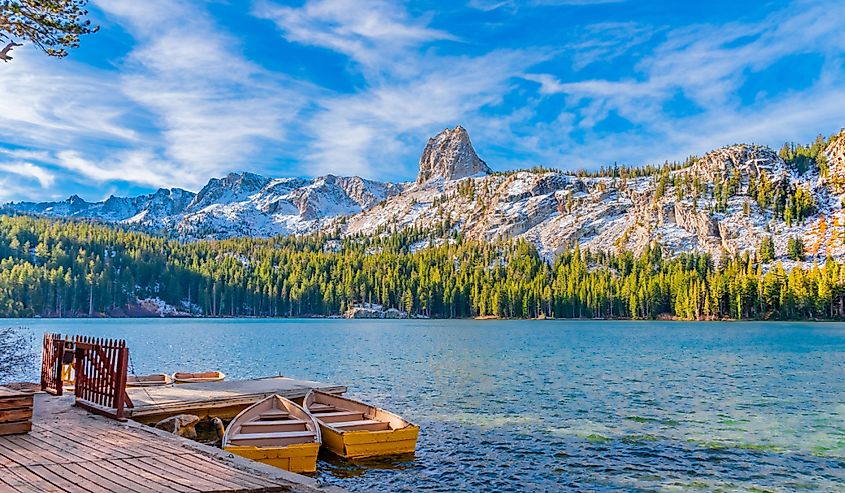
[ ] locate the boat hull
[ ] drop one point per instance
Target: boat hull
(362, 444)
(297, 458)
(202, 377)
(155, 380)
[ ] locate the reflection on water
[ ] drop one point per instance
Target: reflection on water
(334, 466)
(539, 406)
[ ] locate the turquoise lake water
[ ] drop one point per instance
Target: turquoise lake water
(549, 405)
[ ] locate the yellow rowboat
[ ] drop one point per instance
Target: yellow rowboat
(152, 380)
(199, 377)
(352, 429)
(277, 432)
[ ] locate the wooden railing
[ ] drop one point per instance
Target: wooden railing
(51, 363)
(99, 368)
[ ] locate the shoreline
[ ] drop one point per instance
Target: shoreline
(478, 318)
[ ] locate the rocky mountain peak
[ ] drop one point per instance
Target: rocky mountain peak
(232, 187)
(450, 155)
(739, 158)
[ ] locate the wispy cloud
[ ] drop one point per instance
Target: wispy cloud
(212, 104)
(607, 41)
(707, 66)
(184, 105)
(368, 31)
(49, 103)
(29, 170)
(515, 4)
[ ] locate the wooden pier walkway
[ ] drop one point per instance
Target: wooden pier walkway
(71, 450)
(222, 399)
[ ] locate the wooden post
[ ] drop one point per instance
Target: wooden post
(59, 348)
(120, 380)
(78, 368)
(52, 352)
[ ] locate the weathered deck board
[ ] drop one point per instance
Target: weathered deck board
(70, 450)
(223, 399)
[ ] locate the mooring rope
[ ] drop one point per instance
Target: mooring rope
(143, 387)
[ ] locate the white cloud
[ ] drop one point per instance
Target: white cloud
(129, 166)
(213, 106)
(368, 31)
(46, 102)
(29, 170)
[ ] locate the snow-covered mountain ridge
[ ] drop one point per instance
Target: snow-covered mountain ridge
(239, 204)
(724, 202)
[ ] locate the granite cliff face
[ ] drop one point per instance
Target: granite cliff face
(449, 155)
(682, 209)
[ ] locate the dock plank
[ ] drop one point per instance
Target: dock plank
(102, 471)
(154, 477)
(29, 481)
(177, 467)
(54, 476)
(84, 480)
(247, 481)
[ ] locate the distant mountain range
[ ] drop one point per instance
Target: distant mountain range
(727, 201)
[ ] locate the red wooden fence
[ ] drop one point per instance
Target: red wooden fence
(100, 366)
(51, 363)
(100, 370)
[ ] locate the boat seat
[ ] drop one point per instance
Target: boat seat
(363, 424)
(322, 408)
(272, 426)
(275, 414)
(334, 417)
(270, 422)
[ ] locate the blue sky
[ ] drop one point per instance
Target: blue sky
(170, 94)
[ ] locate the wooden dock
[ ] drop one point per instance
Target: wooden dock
(71, 450)
(222, 399)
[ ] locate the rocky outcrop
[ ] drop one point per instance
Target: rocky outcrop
(374, 311)
(449, 155)
(745, 159)
(700, 223)
(835, 157)
(182, 425)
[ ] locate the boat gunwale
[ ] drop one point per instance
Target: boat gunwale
(318, 437)
(314, 392)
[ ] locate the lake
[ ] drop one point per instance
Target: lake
(548, 405)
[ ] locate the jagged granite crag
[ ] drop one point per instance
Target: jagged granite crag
(552, 209)
(450, 155)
